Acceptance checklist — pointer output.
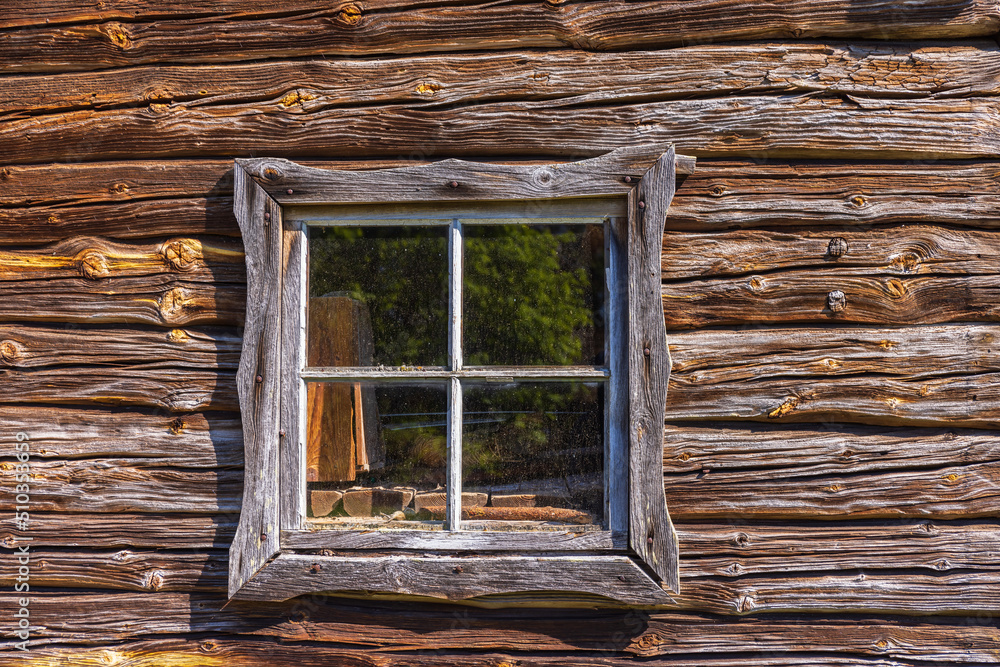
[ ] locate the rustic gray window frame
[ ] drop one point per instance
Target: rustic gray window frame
(273, 557)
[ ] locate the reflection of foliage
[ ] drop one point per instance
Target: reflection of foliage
(527, 295)
(401, 273)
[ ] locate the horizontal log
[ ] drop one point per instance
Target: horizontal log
(721, 194)
(195, 440)
(126, 485)
(294, 30)
(97, 530)
(785, 126)
(965, 400)
(709, 356)
(900, 250)
(698, 642)
(873, 69)
(41, 346)
(947, 492)
(807, 450)
(799, 297)
(160, 300)
(122, 220)
(741, 194)
(167, 389)
(200, 260)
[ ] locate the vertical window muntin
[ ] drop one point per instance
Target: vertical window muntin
(456, 377)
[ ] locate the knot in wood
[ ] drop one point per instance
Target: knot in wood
(838, 247)
(350, 15)
(857, 201)
(10, 351)
(543, 177)
(181, 254)
(836, 301)
(93, 264)
(316, 568)
(118, 35)
(172, 304)
(271, 174)
(717, 190)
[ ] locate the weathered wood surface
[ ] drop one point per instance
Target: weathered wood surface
(913, 353)
(616, 578)
(161, 299)
(775, 126)
(901, 250)
(196, 259)
(651, 534)
(401, 28)
(258, 381)
(601, 176)
(870, 69)
(944, 492)
(40, 346)
(820, 449)
(173, 390)
(127, 485)
(970, 401)
(721, 194)
(802, 296)
(123, 220)
(102, 530)
(702, 642)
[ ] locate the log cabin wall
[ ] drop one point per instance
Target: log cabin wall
(829, 283)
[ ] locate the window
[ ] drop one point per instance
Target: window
(453, 379)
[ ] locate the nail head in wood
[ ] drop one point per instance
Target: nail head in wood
(263, 537)
(289, 191)
(316, 567)
(642, 204)
(453, 184)
(627, 179)
(838, 247)
(645, 351)
(281, 433)
(267, 215)
(259, 379)
(458, 569)
(836, 301)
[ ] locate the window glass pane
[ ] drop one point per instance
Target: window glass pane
(533, 452)
(534, 294)
(378, 295)
(373, 449)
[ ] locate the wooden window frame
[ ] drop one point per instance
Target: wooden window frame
(272, 557)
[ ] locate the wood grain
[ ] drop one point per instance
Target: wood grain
(351, 30)
(258, 381)
(806, 450)
(123, 220)
(892, 250)
(863, 68)
(800, 297)
(944, 492)
(196, 259)
(706, 357)
(42, 346)
(651, 533)
(159, 300)
(776, 127)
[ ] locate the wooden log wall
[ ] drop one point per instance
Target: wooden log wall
(830, 286)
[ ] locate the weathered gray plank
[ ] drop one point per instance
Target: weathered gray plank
(294, 30)
(911, 249)
(866, 68)
(473, 541)
(258, 381)
(455, 180)
(651, 533)
(455, 578)
(40, 346)
(161, 300)
(109, 530)
(772, 126)
(799, 297)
